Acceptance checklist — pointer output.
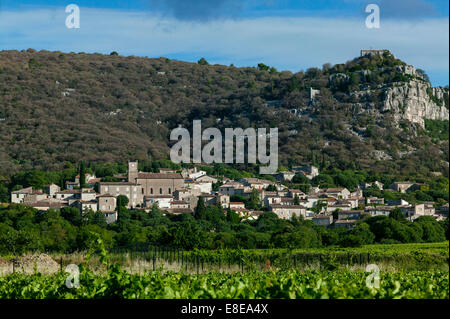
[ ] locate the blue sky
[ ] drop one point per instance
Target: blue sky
(288, 34)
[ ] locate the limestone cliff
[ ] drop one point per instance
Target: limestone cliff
(416, 101)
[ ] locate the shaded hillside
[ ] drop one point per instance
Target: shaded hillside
(57, 107)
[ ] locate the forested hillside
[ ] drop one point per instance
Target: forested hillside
(57, 108)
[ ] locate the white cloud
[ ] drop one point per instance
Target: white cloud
(286, 43)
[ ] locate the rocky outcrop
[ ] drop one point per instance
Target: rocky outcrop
(416, 101)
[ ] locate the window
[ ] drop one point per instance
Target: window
(170, 191)
(160, 190)
(103, 207)
(142, 191)
(118, 189)
(128, 189)
(106, 188)
(151, 190)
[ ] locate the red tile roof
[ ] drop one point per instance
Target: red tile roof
(159, 176)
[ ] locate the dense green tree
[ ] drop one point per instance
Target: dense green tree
(300, 179)
(99, 219)
(300, 237)
(4, 194)
(203, 61)
(296, 200)
(323, 181)
(82, 173)
(36, 178)
(432, 230)
(72, 215)
(263, 67)
(200, 210)
(188, 235)
(397, 214)
(254, 201)
(233, 217)
(122, 202)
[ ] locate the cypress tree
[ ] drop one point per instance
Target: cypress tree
(200, 210)
(82, 175)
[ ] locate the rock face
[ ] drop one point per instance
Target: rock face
(414, 101)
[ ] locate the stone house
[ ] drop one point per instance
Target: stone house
(309, 171)
(175, 204)
(224, 200)
(51, 189)
(350, 215)
(163, 201)
(178, 211)
(288, 201)
(71, 185)
(256, 183)
(271, 200)
(338, 193)
(46, 205)
(293, 192)
(202, 187)
(236, 205)
(206, 179)
(18, 196)
(348, 224)
(355, 201)
(209, 199)
(231, 188)
(106, 203)
(285, 176)
(375, 200)
(323, 220)
(397, 202)
(287, 212)
(159, 184)
(68, 194)
(131, 190)
(429, 208)
(379, 210)
(340, 205)
(415, 211)
(154, 183)
(35, 196)
(111, 217)
(84, 205)
(404, 187)
(88, 194)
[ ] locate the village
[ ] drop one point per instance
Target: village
(178, 192)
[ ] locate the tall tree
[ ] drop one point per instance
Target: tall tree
(254, 202)
(200, 210)
(397, 214)
(82, 175)
(122, 202)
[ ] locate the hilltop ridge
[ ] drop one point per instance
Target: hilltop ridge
(373, 110)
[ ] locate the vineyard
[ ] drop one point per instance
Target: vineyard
(405, 271)
(252, 285)
(142, 258)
